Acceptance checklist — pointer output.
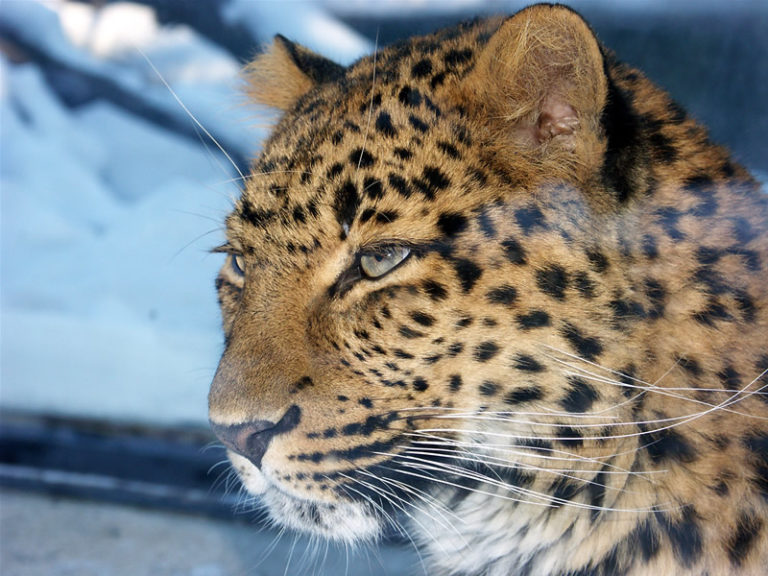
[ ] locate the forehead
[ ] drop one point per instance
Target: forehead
(370, 155)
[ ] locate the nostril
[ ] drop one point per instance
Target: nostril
(251, 439)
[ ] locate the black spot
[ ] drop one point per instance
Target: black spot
(645, 539)
(569, 436)
(528, 363)
(372, 188)
(707, 255)
(298, 215)
(596, 492)
(434, 290)
(758, 446)
(420, 384)
(433, 180)
(514, 476)
(530, 218)
(564, 489)
(668, 445)
(730, 378)
(486, 225)
(714, 311)
(384, 124)
(584, 285)
(255, 216)
(513, 251)
(402, 354)
(423, 318)
(464, 322)
(451, 223)
(346, 203)
(409, 96)
(456, 57)
(468, 273)
(745, 538)
(505, 295)
(365, 402)
(627, 310)
(448, 149)
(690, 365)
(664, 148)
(386, 216)
(553, 281)
(362, 158)
(622, 129)
(403, 153)
(455, 383)
(520, 395)
(410, 333)
(400, 185)
(367, 214)
(417, 123)
(668, 220)
(657, 295)
(533, 319)
(488, 388)
(587, 347)
(334, 170)
(422, 68)
(598, 260)
(580, 396)
(649, 247)
(485, 351)
(304, 382)
(684, 535)
(746, 305)
(455, 349)
(437, 80)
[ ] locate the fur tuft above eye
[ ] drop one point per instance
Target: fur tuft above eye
(380, 262)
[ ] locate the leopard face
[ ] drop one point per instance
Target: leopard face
(496, 287)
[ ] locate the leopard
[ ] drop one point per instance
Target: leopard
(494, 290)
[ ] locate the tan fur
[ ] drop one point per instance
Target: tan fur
(274, 79)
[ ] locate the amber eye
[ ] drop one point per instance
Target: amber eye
(238, 264)
(376, 264)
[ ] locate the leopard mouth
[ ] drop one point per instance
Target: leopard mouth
(342, 521)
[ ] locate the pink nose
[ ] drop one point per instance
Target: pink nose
(251, 439)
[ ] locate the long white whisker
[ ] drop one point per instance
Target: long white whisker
(189, 113)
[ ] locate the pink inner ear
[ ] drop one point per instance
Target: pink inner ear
(557, 118)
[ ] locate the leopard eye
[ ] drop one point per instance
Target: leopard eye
(376, 264)
(238, 264)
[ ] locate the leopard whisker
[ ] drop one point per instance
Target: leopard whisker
(370, 104)
(188, 112)
(552, 501)
(396, 525)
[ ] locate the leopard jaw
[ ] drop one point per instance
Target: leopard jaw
(346, 522)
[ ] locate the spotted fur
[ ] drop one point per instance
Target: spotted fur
(564, 375)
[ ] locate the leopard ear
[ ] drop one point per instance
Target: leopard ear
(540, 85)
(285, 72)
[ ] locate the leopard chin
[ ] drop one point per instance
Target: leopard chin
(346, 522)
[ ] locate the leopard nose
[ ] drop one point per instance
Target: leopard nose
(251, 439)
